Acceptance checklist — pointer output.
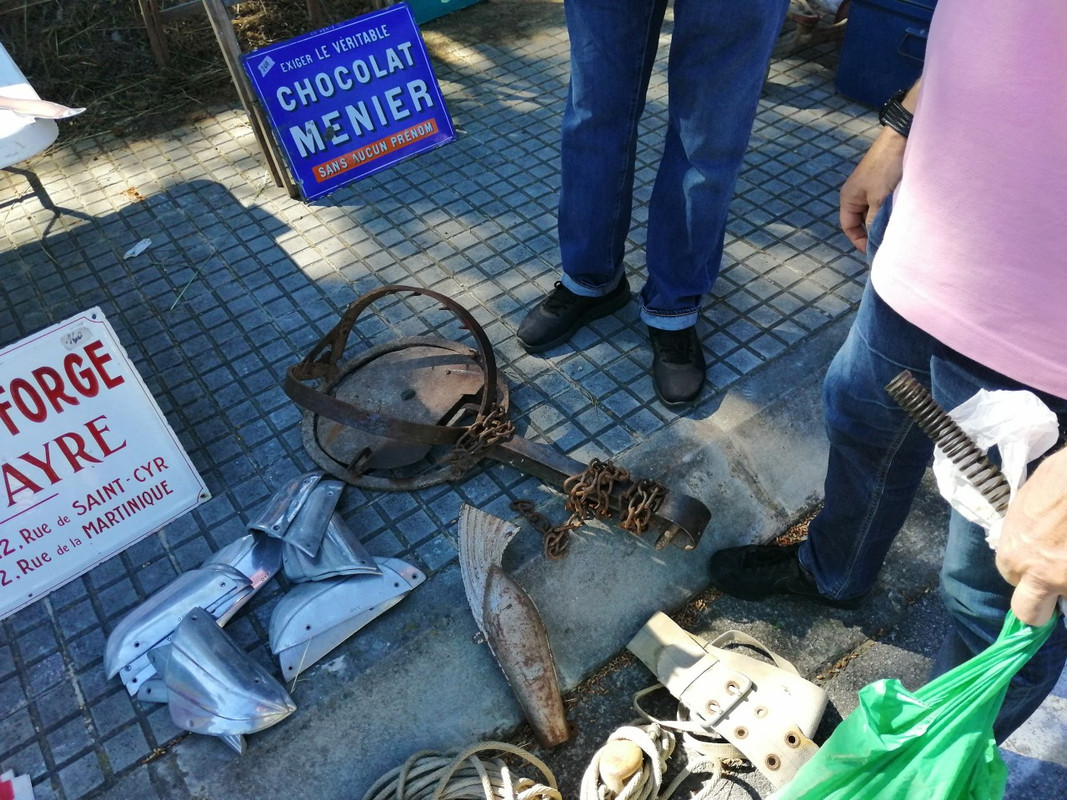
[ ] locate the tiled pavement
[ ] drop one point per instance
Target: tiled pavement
(240, 281)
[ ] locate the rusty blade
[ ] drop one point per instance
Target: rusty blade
(482, 541)
(517, 636)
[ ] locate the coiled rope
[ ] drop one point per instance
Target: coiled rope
(602, 778)
(429, 775)
(615, 774)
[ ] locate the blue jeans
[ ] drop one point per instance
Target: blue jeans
(719, 54)
(876, 462)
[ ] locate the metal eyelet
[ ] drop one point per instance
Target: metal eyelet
(792, 740)
(760, 712)
(773, 762)
(712, 707)
(733, 687)
(741, 732)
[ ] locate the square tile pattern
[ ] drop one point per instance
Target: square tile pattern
(240, 282)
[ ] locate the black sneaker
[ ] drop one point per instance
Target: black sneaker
(758, 571)
(677, 365)
(556, 318)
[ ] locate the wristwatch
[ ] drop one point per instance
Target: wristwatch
(895, 115)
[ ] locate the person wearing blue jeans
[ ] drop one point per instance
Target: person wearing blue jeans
(966, 292)
(876, 462)
(719, 53)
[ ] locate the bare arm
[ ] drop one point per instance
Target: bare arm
(1032, 551)
(873, 179)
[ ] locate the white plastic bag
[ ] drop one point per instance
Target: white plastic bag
(1020, 425)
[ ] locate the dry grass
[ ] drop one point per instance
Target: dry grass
(95, 53)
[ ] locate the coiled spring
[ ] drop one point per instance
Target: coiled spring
(976, 467)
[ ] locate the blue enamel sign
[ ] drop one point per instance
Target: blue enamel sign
(352, 99)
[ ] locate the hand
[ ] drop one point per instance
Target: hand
(1032, 551)
(871, 182)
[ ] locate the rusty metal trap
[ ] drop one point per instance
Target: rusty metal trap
(420, 411)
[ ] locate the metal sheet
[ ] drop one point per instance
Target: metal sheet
(138, 672)
(213, 686)
(256, 555)
(340, 554)
(310, 609)
(153, 690)
(283, 506)
(212, 587)
(306, 531)
(298, 658)
(423, 383)
(482, 541)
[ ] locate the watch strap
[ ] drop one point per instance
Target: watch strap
(895, 116)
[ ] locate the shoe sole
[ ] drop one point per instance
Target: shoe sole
(591, 315)
(676, 403)
(757, 597)
(687, 401)
(776, 593)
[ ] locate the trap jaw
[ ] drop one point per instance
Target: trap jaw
(420, 411)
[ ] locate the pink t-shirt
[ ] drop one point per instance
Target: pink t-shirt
(976, 249)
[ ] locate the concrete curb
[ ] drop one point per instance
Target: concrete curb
(383, 695)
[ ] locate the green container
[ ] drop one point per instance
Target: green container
(425, 10)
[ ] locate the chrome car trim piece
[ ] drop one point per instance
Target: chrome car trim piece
(341, 554)
(334, 609)
(216, 588)
(277, 514)
(213, 686)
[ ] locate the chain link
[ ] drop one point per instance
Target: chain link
(482, 434)
(554, 538)
(589, 494)
(639, 503)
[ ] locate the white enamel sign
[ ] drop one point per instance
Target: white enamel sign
(88, 463)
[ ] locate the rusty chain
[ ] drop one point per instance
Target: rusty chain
(554, 538)
(482, 434)
(589, 494)
(639, 503)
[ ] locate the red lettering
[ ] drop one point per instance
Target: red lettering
(21, 391)
(51, 384)
(90, 386)
(77, 452)
(98, 361)
(50, 389)
(24, 483)
(74, 449)
(5, 406)
(45, 466)
(98, 432)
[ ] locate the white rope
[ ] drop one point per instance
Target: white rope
(656, 744)
(429, 775)
(656, 739)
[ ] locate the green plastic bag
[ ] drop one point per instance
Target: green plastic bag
(932, 744)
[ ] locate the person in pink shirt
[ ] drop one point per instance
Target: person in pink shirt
(967, 288)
